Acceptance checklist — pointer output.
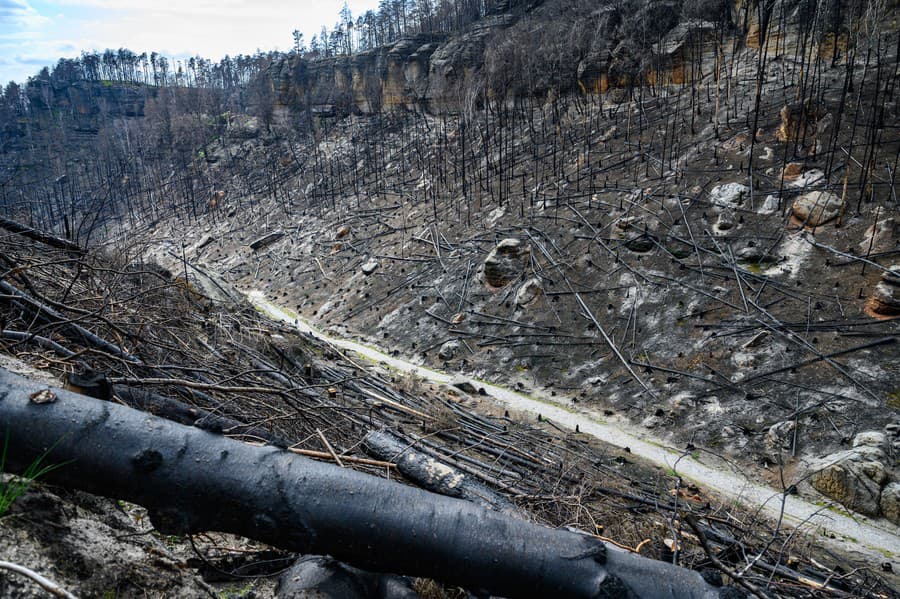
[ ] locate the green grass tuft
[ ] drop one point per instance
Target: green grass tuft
(16, 486)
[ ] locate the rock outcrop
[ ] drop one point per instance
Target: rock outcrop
(817, 208)
(885, 298)
(854, 477)
(506, 262)
(890, 502)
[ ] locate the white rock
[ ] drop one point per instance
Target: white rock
(808, 178)
(817, 207)
(370, 267)
(528, 292)
(870, 439)
(890, 502)
(770, 205)
(728, 195)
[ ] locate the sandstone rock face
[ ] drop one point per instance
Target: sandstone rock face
(816, 208)
(506, 262)
(890, 502)
(393, 76)
(854, 477)
(892, 432)
(846, 482)
(89, 102)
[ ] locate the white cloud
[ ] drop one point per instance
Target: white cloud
(19, 14)
(209, 28)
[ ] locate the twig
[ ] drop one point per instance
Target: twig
(330, 449)
(704, 543)
(322, 455)
(45, 583)
(194, 385)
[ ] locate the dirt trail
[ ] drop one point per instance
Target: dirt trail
(873, 541)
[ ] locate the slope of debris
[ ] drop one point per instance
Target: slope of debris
(710, 255)
(74, 317)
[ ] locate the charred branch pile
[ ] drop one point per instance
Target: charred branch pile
(193, 481)
(231, 374)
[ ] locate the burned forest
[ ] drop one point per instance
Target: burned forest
(517, 298)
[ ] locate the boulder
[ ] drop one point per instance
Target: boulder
(892, 275)
(728, 195)
(449, 350)
(799, 121)
(204, 241)
(528, 292)
(637, 234)
(870, 439)
(817, 207)
(882, 236)
(792, 170)
(506, 262)
(808, 179)
(466, 386)
(851, 478)
(885, 300)
(725, 222)
(369, 267)
(780, 439)
(890, 502)
(770, 205)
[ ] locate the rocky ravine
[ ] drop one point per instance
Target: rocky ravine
(758, 310)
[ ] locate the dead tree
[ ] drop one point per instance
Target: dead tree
(191, 480)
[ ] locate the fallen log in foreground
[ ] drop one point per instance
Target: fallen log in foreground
(192, 480)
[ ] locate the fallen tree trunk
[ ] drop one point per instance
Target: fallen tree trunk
(51, 240)
(51, 316)
(191, 480)
(431, 474)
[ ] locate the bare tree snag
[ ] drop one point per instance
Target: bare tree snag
(191, 480)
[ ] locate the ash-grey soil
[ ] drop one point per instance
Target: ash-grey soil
(720, 301)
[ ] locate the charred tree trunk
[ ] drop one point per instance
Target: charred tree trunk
(191, 480)
(25, 231)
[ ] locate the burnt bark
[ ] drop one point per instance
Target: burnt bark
(52, 241)
(431, 474)
(191, 480)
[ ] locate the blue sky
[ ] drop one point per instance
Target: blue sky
(35, 33)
